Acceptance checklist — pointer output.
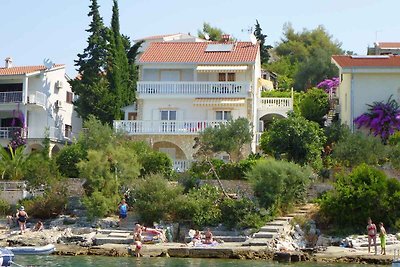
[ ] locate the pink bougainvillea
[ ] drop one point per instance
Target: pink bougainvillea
(329, 85)
(382, 119)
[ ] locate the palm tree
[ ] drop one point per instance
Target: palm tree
(11, 162)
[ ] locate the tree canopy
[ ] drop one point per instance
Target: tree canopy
(213, 33)
(264, 53)
(303, 58)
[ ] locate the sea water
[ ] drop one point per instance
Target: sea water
(86, 261)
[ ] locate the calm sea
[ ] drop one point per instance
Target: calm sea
(85, 261)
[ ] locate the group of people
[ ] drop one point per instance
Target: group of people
(21, 217)
(198, 238)
(372, 234)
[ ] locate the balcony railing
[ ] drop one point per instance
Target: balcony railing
(11, 97)
(182, 165)
(164, 127)
(7, 132)
(220, 89)
(276, 103)
(37, 98)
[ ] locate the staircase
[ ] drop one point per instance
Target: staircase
(277, 227)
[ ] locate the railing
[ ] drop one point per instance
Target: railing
(164, 127)
(182, 165)
(38, 98)
(11, 97)
(258, 138)
(275, 102)
(7, 132)
(193, 88)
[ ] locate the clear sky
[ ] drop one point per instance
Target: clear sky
(55, 29)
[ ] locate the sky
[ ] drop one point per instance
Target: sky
(34, 30)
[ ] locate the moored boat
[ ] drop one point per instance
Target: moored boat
(6, 257)
(48, 249)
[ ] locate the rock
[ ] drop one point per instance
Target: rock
(323, 241)
(109, 222)
(282, 256)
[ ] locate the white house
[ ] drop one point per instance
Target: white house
(33, 99)
(385, 48)
(364, 80)
(185, 87)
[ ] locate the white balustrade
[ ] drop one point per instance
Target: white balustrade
(38, 98)
(182, 165)
(7, 132)
(11, 97)
(275, 103)
(164, 127)
(194, 88)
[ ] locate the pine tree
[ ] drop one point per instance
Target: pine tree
(91, 85)
(264, 54)
(118, 69)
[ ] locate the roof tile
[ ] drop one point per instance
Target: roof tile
(194, 52)
(21, 70)
(367, 61)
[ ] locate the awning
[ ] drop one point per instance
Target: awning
(266, 84)
(223, 102)
(221, 68)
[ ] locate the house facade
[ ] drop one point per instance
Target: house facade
(364, 80)
(185, 87)
(36, 99)
(385, 48)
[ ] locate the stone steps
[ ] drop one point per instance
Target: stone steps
(258, 242)
(264, 235)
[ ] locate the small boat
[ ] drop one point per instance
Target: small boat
(6, 257)
(396, 258)
(44, 250)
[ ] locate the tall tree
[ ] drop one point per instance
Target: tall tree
(264, 53)
(118, 66)
(310, 52)
(91, 85)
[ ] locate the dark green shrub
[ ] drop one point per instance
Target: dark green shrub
(315, 105)
(4, 207)
(394, 156)
(155, 197)
(155, 162)
(365, 192)
(67, 159)
(98, 205)
(359, 148)
(40, 170)
(240, 213)
(279, 184)
(50, 205)
(336, 132)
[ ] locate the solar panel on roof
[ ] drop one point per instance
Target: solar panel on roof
(219, 47)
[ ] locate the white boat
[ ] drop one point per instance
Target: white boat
(396, 258)
(6, 257)
(48, 249)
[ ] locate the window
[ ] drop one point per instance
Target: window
(70, 97)
(132, 116)
(68, 131)
(168, 115)
(223, 115)
(223, 77)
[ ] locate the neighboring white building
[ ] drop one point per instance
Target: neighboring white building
(385, 48)
(33, 98)
(185, 87)
(364, 80)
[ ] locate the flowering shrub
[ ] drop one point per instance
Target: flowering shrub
(383, 119)
(17, 139)
(329, 85)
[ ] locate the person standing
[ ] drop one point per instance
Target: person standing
(22, 217)
(123, 211)
(382, 237)
(371, 229)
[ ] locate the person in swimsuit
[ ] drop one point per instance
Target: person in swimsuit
(208, 237)
(137, 237)
(371, 229)
(123, 211)
(22, 216)
(382, 237)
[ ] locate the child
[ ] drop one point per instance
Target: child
(123, 211)
(382, 236)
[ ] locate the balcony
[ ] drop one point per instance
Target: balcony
(164, 127)
(11, 97)
(193, 89)
(37, 98)
(7, 132)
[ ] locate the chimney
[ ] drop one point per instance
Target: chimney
(225, 38)
(8, 62)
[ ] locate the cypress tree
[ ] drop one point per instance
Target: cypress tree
(264, 54)
(91, 85)
(118, 70)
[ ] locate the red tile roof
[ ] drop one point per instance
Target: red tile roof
(367, 61)
(21, 70)
(157, 36)
(388, 44)
(194, 52)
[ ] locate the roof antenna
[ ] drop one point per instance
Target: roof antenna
(206, 36)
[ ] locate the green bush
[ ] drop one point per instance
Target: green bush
(279, 185)
(394, 156)
(359, 148)
(394, 139)
(98, 205)
(155, 162)
(240, 213)
(4, 207)
(67, 159)
(315, 105)
(50, 205)
(39, 170)
(199, 207)
(155, 197)
(365, 192)
(336, 132)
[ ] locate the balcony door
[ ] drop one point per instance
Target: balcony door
(169, 121)
(170, 76)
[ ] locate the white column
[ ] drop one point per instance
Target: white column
(25, 91)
